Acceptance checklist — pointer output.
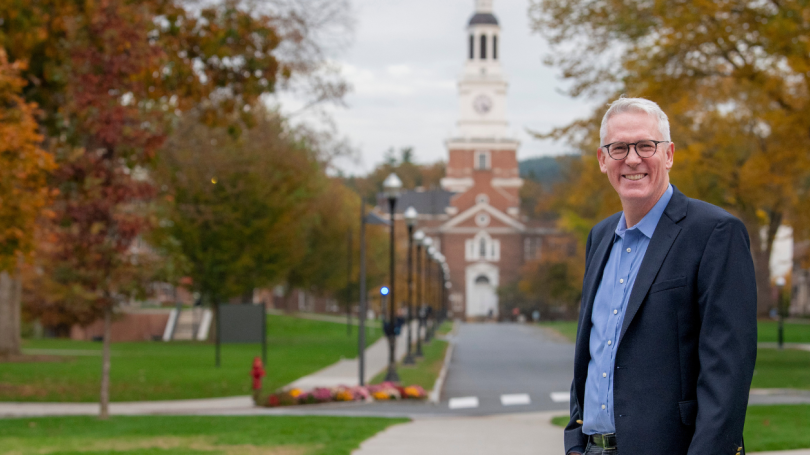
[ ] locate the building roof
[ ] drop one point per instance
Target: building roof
(431, 202)
(483, 18)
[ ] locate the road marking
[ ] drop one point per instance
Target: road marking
(560, 397)
(463, 402)
(515, 399)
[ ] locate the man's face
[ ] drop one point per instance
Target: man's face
(640, 182)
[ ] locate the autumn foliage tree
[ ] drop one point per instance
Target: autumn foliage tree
(111, 77)
(732, 76)
(24, 168)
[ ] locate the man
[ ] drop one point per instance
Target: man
(667, 331)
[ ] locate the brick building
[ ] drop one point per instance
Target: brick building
(475, 219)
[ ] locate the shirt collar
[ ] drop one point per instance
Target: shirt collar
(650, 221)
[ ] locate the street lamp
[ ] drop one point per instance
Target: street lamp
(419, 238)
(431, 251)
(391, 188)
(410, 219)
(780, 285)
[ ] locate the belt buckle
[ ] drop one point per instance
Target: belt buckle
(605, 441)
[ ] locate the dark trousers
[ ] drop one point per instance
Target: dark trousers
(596, 450)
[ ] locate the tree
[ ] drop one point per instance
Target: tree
(733, 78)
(111, 78)
(24, 191)
(240, 205)
(413, 175)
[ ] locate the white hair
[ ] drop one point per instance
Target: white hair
(648, 107)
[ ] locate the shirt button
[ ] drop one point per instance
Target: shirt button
(610, 342)
(615, 311)
(621, 280)
(604, 375)
(629, 250)
(603, 406)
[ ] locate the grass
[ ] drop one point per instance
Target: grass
(426, 370)
(772, 427)
(445, 328)
(567, 329)
(788, 368)
(795, 332)
(177, 370)
(777, 427)
(277, 435)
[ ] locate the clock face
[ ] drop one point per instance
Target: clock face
(482, 104)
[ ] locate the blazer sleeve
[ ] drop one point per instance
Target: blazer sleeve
(727, 349)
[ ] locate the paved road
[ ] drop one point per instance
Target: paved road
(511, 362)
(495, 369)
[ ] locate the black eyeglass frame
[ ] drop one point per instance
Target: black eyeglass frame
(635, 147)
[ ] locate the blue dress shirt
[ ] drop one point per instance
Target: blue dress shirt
(629, 246)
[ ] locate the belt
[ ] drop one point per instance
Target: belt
(605, 441)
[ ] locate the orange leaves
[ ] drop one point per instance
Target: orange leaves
(24, 168)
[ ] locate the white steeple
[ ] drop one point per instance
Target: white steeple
(483, 6)
(482, 85)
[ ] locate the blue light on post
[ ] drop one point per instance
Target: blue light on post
(384, 290)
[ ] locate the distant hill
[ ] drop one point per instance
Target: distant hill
(546, 170)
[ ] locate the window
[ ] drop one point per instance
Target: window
(531, 248)
(482, 247)
(482, 219)
(482, 280)
(495, 47)
(482, 160)
(483, 47)
(472, 47)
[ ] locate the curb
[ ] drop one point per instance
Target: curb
(436, 393)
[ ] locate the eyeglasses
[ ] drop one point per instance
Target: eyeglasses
(644, 149)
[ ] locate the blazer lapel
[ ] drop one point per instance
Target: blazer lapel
(664, 236)
(590, 285)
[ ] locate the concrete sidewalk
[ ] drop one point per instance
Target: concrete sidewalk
(347, 372)
(513, 434)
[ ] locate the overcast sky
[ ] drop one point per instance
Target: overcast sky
(403, 65)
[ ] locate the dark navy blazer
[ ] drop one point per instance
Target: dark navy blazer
(688, 343)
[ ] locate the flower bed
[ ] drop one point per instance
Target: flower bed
(378, 392)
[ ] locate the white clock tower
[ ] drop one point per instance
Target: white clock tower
(482, 85)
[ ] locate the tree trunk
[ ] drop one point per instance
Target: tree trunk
(10, 293)
(104, 413)
(761, 253)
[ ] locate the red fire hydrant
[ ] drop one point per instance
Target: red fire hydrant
(257, 373)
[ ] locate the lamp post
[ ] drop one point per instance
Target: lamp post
(431, 251)
(391, 187)
(419, 238)
(780, 285)
(410, 219)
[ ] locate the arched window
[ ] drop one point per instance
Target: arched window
(495, 47)
(482, 280)
(483, 47)
(482, 248)
(472, 47)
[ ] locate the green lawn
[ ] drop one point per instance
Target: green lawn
(426, 370)
(795, 332)
(277, 435)
(773, 427)
(177, 370)
(567, 329)
(788, 368)
(777, 427)
(445, 328)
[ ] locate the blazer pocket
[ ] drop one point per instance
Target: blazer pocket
(689, 411)
(668, 284)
